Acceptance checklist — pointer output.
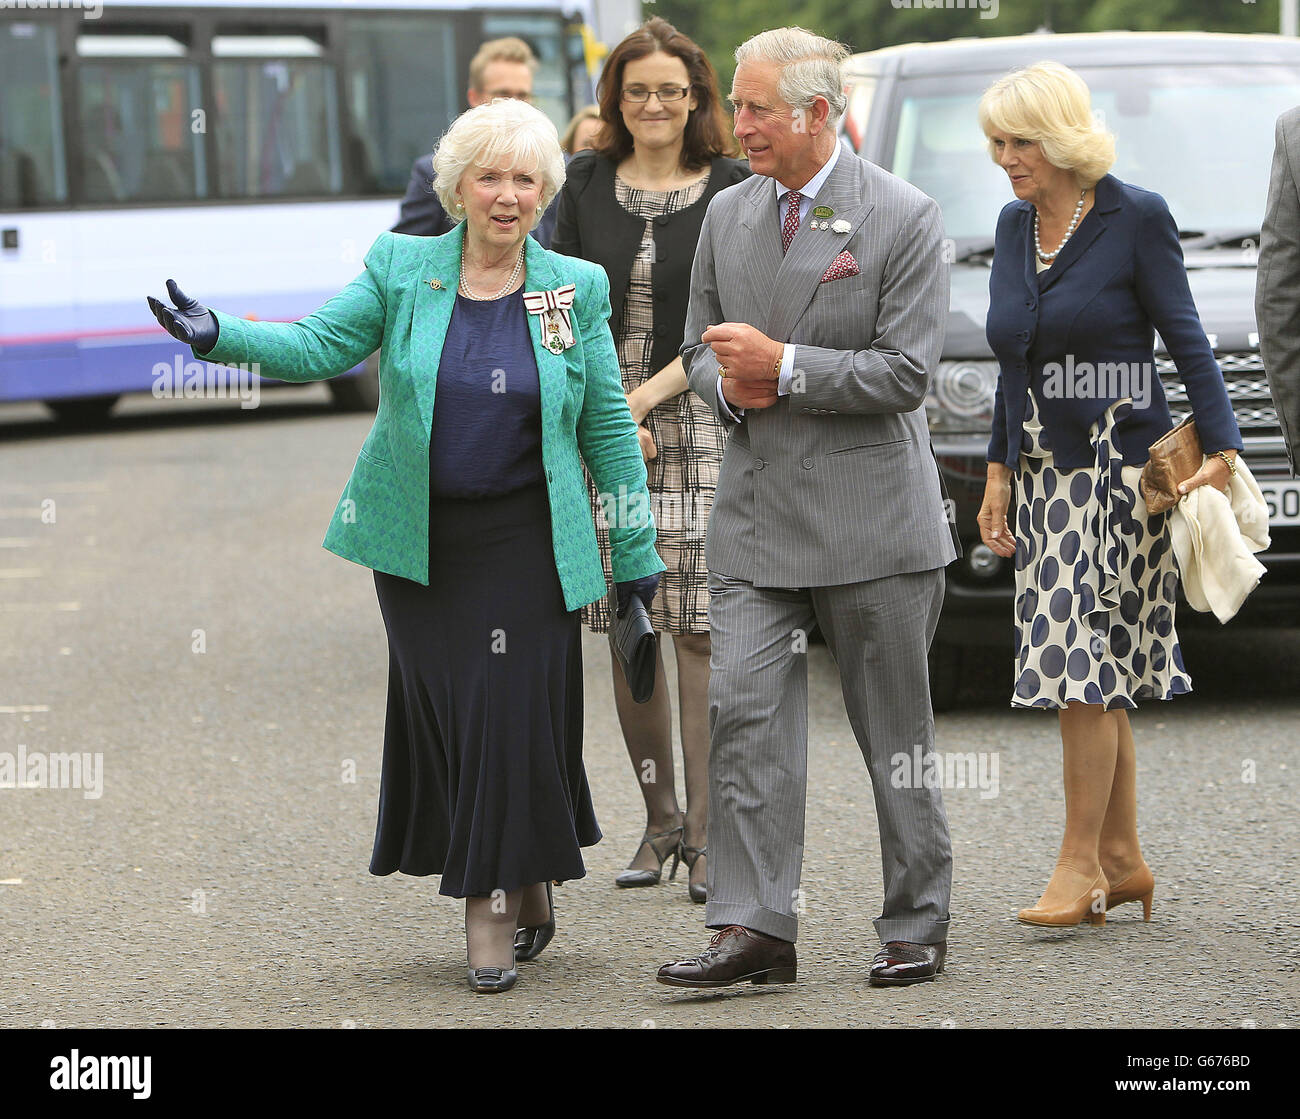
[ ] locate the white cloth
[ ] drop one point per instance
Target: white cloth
(1215, 540)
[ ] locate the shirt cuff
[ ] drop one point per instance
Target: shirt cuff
(786, 374)
(726, 408)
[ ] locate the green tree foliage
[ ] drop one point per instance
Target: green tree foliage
(720, 25)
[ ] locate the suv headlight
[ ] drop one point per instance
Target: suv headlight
(961, 396)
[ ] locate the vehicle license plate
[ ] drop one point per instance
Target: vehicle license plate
(1283, 501)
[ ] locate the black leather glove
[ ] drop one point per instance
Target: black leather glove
(644, 589)
(191, 322)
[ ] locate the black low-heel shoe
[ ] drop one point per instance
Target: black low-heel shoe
(531, 939)
(490, 980)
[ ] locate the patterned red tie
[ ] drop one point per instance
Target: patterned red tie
(791, 224)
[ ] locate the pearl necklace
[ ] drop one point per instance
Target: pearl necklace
(1038, 248)
(464, 284)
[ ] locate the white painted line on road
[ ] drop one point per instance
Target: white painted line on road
(23, 710)
(58, 487)
(20, 573)
(37, 511)
(14, 607)
(11, 881)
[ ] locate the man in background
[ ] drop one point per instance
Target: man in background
(501, 68)
(1277, 290)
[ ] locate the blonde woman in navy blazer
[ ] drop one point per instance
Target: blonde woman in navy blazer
(469, 502)
(1085, 269)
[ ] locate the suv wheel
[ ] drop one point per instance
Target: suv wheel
(945, 674)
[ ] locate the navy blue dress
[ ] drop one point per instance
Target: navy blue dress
(483, 780)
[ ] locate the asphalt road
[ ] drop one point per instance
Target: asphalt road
(220, 877)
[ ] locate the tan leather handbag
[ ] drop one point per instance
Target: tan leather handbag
(1175, 457)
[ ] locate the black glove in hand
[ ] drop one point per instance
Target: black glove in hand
(191, 322)
(644, 589)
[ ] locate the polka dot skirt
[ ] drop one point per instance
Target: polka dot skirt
(1096, 583)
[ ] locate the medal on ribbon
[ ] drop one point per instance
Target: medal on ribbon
(552, 309)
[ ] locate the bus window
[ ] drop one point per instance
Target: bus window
(276, 118)
(401, 81)
(137, 98)
(32, 168)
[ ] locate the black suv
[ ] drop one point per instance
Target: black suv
(1193, 117)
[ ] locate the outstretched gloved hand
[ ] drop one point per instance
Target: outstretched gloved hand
(189, 322)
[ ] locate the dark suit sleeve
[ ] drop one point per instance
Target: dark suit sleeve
(1277, 290)
(422, 214)
(565, 237)
(894, 373)
(1162, 288)
(997, 451)
(998, 446)
(545, 231)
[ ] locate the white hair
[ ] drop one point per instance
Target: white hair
(811, 66)
(502, 133)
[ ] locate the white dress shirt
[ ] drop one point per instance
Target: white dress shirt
(807, 196)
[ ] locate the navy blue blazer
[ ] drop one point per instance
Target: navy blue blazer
(1119, 279)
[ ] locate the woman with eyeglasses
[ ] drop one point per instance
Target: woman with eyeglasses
(635, 205)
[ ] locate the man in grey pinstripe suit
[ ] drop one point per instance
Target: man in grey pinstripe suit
(818, 298)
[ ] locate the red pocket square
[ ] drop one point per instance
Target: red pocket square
(843, 265)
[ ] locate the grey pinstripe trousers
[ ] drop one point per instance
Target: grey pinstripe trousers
(878, 631)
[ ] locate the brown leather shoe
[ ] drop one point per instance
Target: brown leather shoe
(735, 955)
(901, 962)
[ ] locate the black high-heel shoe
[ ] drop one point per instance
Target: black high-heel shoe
(691, 856)
(531, 939)
(632, 877)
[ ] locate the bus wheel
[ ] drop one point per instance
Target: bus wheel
(84, 411)
(945, 674)
(359, 393)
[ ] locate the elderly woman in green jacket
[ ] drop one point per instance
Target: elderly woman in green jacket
(498, 380)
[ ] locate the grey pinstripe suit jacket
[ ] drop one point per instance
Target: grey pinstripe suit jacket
(836, 482)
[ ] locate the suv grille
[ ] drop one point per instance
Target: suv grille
(1243, 376)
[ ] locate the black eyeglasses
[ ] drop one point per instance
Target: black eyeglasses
(638, 94)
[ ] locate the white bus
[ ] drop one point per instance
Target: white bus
(251, 151)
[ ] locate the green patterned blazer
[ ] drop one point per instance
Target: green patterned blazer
(382, 519)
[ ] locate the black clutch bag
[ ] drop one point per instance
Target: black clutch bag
(635, 644)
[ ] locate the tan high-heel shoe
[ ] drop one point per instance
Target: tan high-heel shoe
(1138, 886)
(1086, 906)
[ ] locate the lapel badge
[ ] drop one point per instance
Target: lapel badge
(823, 212)
(552, 309)
(436, 284)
